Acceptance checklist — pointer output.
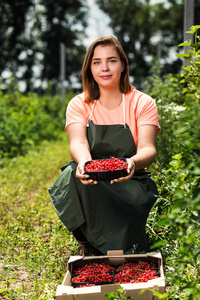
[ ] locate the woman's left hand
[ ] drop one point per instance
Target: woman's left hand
(130, 171)
(82, 176)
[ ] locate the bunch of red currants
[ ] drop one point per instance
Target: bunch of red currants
(141, 271)
(98, 273)
(109, 164)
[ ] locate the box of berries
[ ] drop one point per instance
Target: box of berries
(106, 169)
(92, 276)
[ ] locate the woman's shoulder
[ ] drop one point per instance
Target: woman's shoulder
(137, 94)
(137, 97)
(78, 105)
(78, 99)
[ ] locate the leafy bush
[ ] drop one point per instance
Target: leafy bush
(26, 120)
(191, 75)
(173, 225)
(167, 93)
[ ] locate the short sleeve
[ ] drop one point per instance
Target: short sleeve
(147, 112)
(76, 112)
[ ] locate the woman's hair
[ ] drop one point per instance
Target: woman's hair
(90, 86)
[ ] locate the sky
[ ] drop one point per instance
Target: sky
(98, 24)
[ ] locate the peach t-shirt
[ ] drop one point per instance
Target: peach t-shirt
(140, 109)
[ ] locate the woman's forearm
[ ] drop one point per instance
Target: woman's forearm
(80, 151)
(146, 147)
(144, 157)
(79, 147)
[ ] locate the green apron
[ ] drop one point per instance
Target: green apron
(111, 216)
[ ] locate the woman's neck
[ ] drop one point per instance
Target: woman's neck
(110, 99)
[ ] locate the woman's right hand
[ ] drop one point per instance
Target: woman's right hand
(84, 178)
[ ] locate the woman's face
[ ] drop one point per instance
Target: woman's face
(106, 67)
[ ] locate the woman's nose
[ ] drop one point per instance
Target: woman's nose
(105, 66)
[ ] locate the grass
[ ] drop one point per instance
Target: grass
(34, 245)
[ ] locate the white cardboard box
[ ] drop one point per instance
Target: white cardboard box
(66, 292)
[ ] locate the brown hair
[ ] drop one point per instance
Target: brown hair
(89, 84)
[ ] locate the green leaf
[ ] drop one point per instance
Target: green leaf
(188, 68)
(182, 81)
(191, 51)
(185, 90)
(185, 56)
(193, 29)
(158, 244)
(177, 156)
(111, 296)
(195, 46)
(195, 213)
(186, 43)
(162, 223)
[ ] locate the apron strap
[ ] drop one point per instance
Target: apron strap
(90, 116)
(124, 110)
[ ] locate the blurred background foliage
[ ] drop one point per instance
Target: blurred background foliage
(30, 34)
(32, 30)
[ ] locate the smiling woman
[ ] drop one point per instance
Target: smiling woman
(106, 68)
(109, 119)
(108, 54)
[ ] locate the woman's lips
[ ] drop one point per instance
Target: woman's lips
(105, 76)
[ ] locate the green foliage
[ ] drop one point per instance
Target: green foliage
(120, 294)
(178, 228)
(169, 98)
(173, 224)
(191, 76)
(25, 121)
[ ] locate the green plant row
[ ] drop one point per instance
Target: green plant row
(34, 246)
(26, 120)
(173, 224)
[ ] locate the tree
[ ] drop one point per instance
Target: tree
(12, 26)
(30, 34)
(63, 21)
(141, 28)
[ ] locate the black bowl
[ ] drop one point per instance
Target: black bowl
(106, 175)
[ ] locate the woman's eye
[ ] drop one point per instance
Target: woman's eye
(112, 60)
(96, 62)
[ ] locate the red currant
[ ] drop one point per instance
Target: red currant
(109, 164)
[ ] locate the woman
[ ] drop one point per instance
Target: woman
(110, 118)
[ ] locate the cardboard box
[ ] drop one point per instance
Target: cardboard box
(66, 291)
